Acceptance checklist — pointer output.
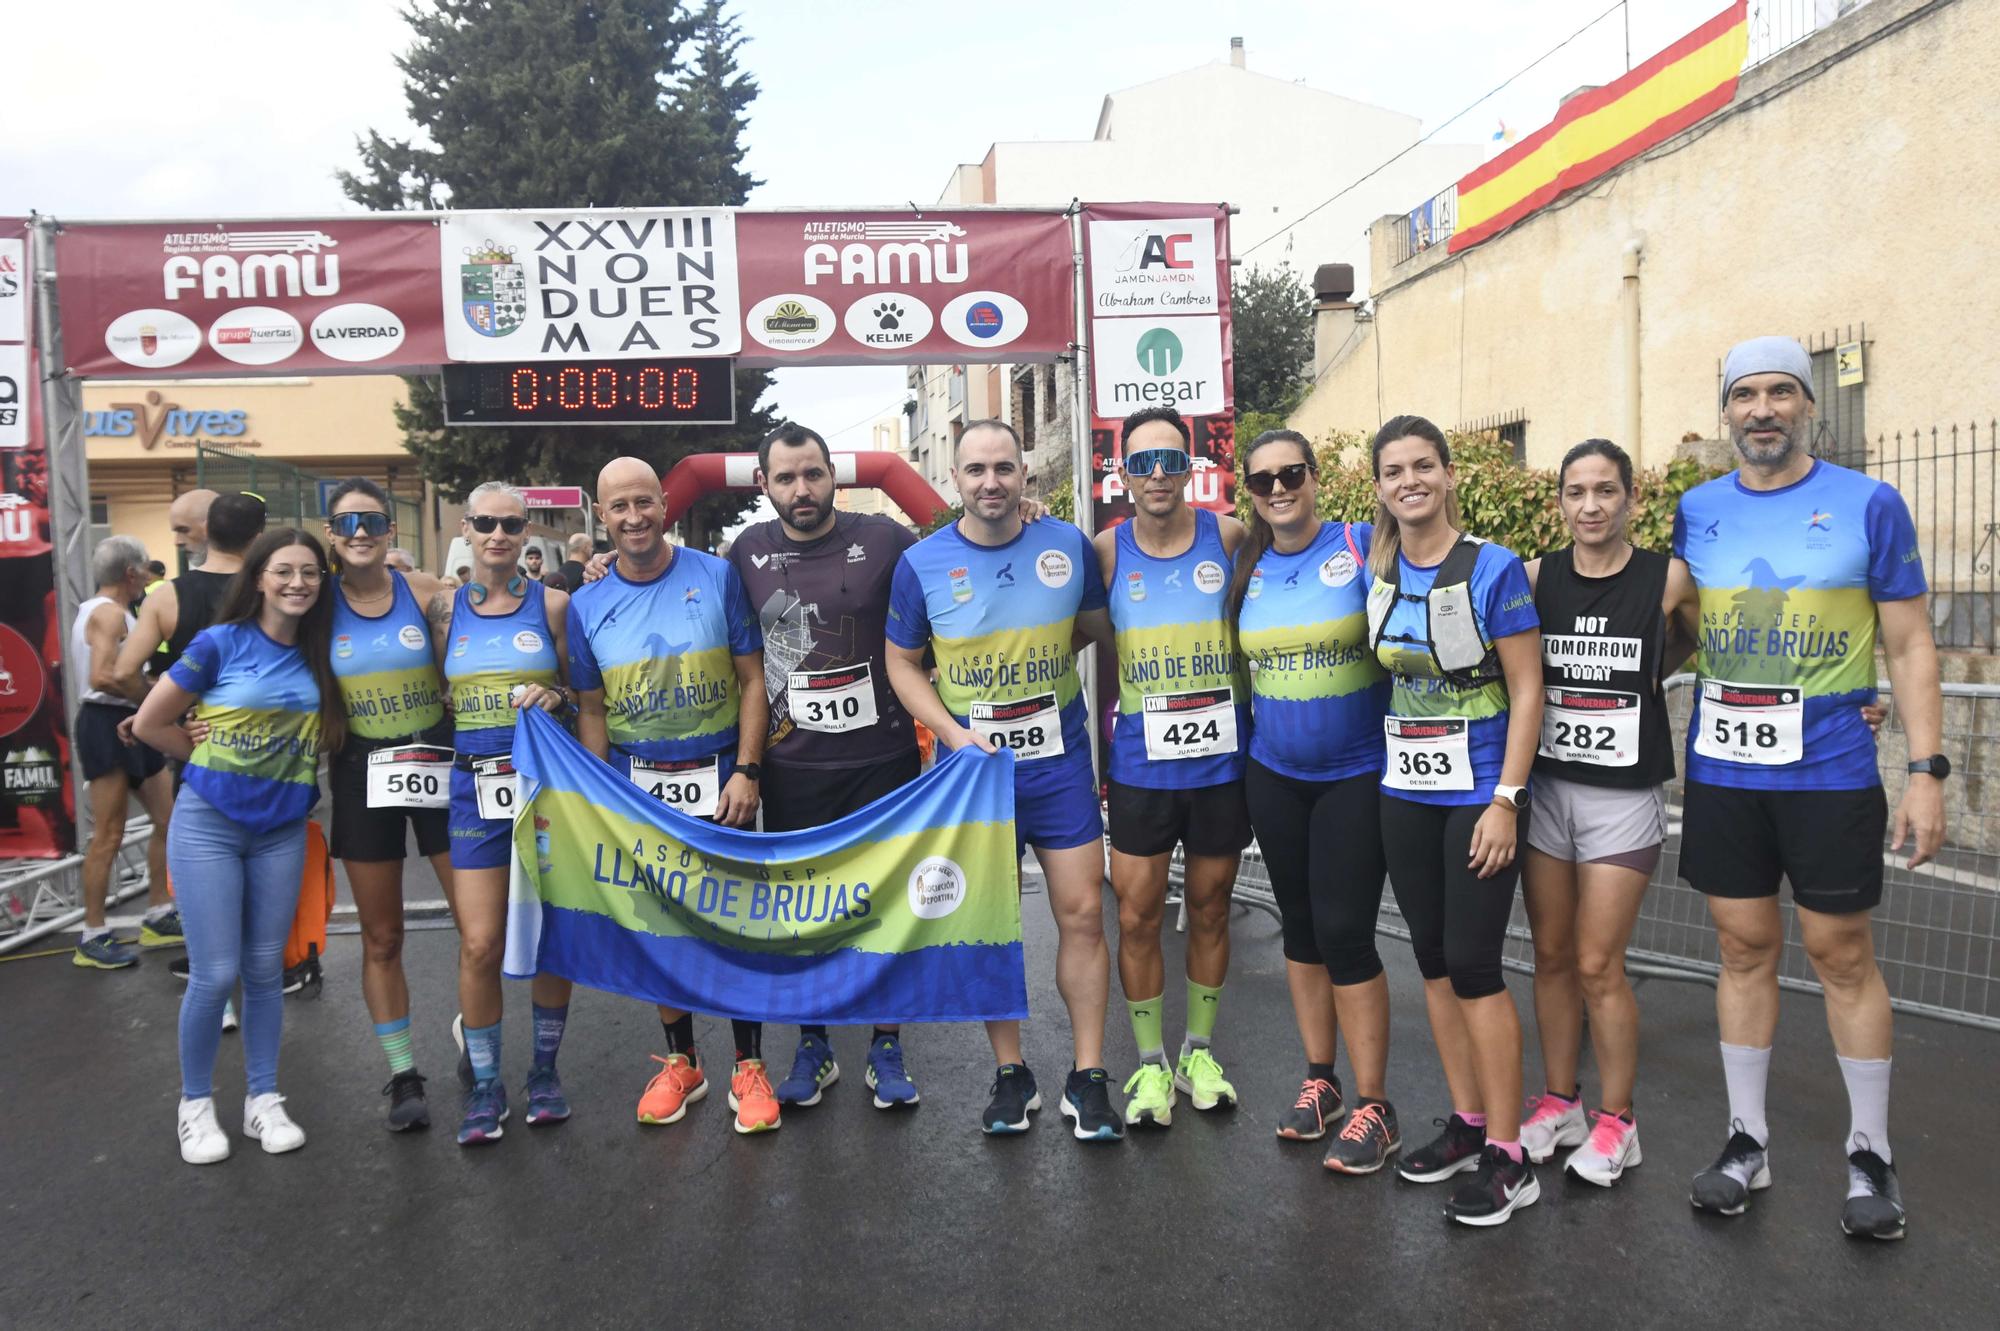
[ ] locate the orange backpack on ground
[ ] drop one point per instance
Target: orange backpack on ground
(307, 943)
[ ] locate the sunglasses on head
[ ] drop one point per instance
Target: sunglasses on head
(1288, 477)
(486, 522)
(1166, 461)
(365, 520)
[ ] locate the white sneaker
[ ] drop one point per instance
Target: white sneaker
(1552, 1122)
(264, 1118)
(1612, 1149)
(203, 1142)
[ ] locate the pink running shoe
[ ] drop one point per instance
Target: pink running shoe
(1550, 1122)
(1612, 1148)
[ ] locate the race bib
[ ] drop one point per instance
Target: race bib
(833, 702)
(1429, 754)
(495, 788)
(412, 776)
(1762, 724)
(1595, 726)
(1032, 727)
(693, 786)
(1200, 724)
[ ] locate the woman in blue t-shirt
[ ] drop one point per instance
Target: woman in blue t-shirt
(260, 683)
(1452, 619)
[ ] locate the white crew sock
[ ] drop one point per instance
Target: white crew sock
(1867, 1105)
(1748, 1071)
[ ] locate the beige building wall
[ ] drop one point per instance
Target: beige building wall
(1854, 179)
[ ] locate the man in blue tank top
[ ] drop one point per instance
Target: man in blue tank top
(1176, 755)
(1797, 566)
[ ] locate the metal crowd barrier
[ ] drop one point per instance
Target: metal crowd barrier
(1937, 931)
(41, 897)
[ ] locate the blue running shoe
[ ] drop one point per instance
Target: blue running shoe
(1014, 1095)
(892, 1086)
(1086, 1103)
(104, 953)
(162, 932)
(485, 1112)
(546, 1102)
(813, 1070)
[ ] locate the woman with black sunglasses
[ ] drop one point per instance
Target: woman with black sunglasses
(1299, 598)
(396, 771)
(501, 642)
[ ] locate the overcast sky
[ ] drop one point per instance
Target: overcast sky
(123, 108)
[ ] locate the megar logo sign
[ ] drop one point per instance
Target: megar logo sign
(1158, 362)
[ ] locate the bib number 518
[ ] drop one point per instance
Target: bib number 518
(1744, 735)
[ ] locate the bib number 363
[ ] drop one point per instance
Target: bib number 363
(495, 787)
(1031, 727)
(412, 776)
(1428, 754)
(1762, 724)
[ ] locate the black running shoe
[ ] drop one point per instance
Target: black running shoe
(1318, 1108)
(407, 1107)
(1501, 1186)
(1453, 1151)
(305, 977)
(1014, 1095)
(178, 968)
(1368, 1140)
(1743, 1168)
(1086, 1103)
(1874, 1208)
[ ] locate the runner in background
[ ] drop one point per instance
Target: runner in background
(1177, 756)
(578, 546)
(113, 770)
(667, 655)
(1798, 567)
(393, 776)
(1005, 605)
(500, 644)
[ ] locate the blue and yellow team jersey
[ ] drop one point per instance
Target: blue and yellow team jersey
(663, 652)
(1319, 693)
(1183, 701)
(387, 674)
(486, 657)
(1000, 619)
(1503, 604)
(259, 763)
(1788, 581)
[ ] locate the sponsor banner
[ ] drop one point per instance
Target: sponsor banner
(906, 910)
(13, 288)
(1211, 481)
(944, 287)
(1158, 361)
(174, 299)
(553, 496)
(569, 285)
(1150, 266)
(13, 395)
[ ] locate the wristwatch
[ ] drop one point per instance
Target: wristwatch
(752, 770)
(1936, 765)
(1514, 797)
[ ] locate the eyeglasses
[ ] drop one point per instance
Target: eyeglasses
(310, 574)
(1166, 461)
(362, 520)
(1289, 477)
(486, 522)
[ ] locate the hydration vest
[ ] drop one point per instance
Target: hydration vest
(1458, 645)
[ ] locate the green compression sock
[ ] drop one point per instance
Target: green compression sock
(1202, 1003)
(1146, 1029)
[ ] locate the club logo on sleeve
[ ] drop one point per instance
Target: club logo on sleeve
(937, 887)
(413, 638)
(1209, 577)
(1256, 587)
(961, 584)
(343, 646)
(1135, 585)
(1339, 570)
(1053, 567)
(458, 648)
(527, 640)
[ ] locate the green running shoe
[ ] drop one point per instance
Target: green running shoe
(1201, 1077)
(1149, 1096)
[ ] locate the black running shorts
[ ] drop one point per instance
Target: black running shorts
(1828, 843)
(1208, 820)
(365, 834)
(102, 752)
(796, 798)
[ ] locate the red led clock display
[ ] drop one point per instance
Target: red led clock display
(608, 392)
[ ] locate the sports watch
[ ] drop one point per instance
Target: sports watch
(1514, 797)
(1936, 765)
(754, 771)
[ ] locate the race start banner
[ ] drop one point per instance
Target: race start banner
(905, 911)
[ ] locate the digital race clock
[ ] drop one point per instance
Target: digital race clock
(592, 392)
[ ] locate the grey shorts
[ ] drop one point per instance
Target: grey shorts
(1582, 824)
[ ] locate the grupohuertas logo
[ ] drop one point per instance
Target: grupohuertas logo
(1158, 352)
(493, 290)
(937, 887)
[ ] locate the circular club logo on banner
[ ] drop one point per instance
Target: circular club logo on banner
(888, 321)
(152, 339)
(20, 681)
(791, 322)
(356, 332)
(255, 335)
(1338, 570)
(1208, 576)
(1053, 568)
(937, 887)
(984, 319)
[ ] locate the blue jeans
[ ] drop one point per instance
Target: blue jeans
(238, 891)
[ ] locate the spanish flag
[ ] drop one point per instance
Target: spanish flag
(1592, 133)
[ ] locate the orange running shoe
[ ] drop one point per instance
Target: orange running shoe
(750, 1095)
(678, 1084)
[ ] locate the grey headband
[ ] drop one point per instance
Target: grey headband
(1767, 355)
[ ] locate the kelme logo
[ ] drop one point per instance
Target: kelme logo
(1158, 352)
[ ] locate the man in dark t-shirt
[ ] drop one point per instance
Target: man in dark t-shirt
(819, 581)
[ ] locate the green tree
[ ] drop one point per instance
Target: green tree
(1271, 329)
(559, 104)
